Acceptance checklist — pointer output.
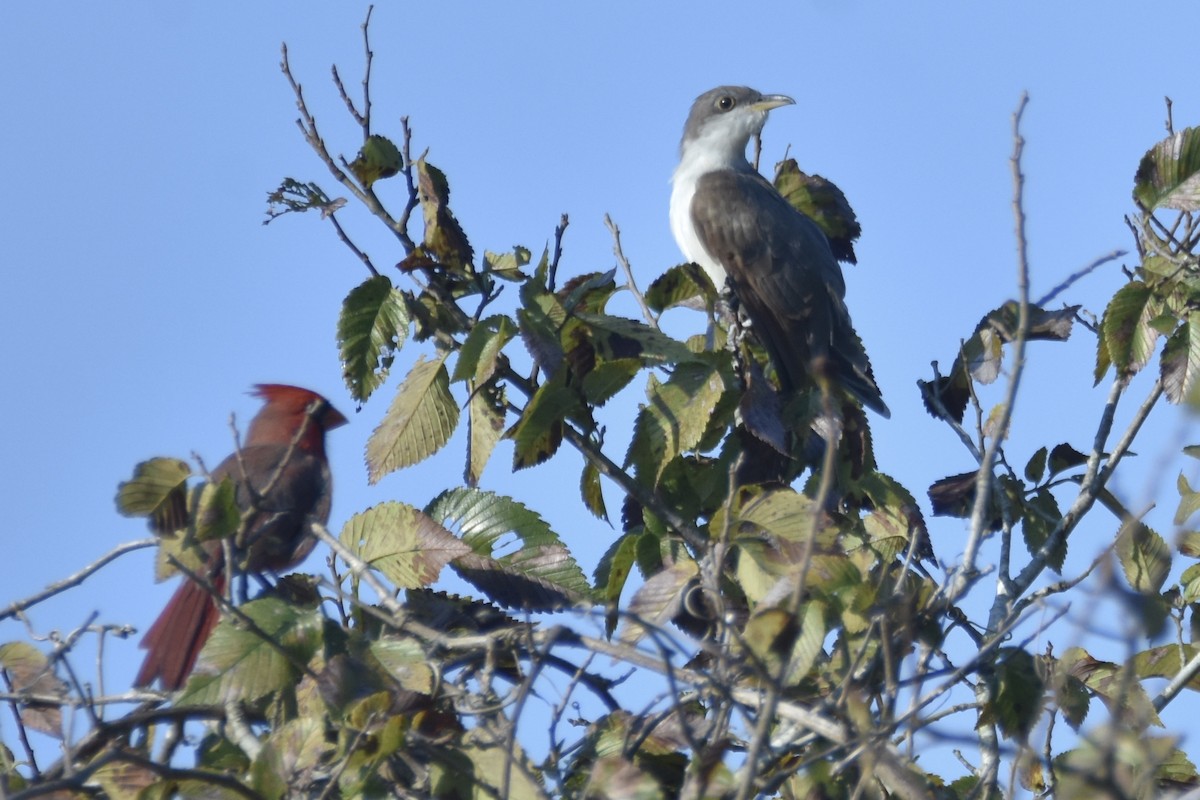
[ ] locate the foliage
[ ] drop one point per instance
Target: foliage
(799, 633)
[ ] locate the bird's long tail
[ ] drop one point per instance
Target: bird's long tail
(174, 640)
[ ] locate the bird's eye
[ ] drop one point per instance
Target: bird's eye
(725, 103)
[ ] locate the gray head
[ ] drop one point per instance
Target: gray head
(726, 117)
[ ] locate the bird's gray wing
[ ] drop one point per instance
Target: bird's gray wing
(786, 277)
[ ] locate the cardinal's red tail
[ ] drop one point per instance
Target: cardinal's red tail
(174, 640)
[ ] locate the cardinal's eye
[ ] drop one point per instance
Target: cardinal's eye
(726, 103)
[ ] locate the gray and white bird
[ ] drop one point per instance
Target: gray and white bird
(733, 223)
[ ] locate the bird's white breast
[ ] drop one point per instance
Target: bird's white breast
(696, 161)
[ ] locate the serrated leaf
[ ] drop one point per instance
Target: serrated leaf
(1169, 174)
(1073, 701)
(674, 418)
(620, 337)
(480, 350)
(371, 330)
(1144, 556)
(1129, 339)
(1017, 699)
(824, 203)
(405, 544)
(1123, 697)
(538, 433)
(158, 490)
(539, 321)
(589, 292)
(1035, 468)
(607, 378)
(1040, 516)
(1064, 457)
(216, 513)
(612, 573)
(378, 158)
(237, 663)
(486, 420)
(444, 237)
(681, 285)
(507, 265)
(419, 422)
(490, 523)
(590, 491)
(1180, 362)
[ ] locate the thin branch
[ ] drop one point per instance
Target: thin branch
(79, 577)
(363, 257)
(651, 320)
(967, 572)
(559, 230)
(1078, 274)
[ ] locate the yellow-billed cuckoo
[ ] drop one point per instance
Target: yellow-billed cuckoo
(734, 224)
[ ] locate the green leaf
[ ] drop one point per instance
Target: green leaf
(1040, 516)
(1035, 468)
(486, 424)
(419, 422)
(1166, 661)
(480, 350)
(408, 546)
(681, 285)
(444, 237)
(507, 265)
(1144, 556)
(540, 319)
(1180, 363)
(378, 159)
(822, 202)
(238, 663)
(1169, 174)
(489, 522)
(589, 292)
(289, 756)
(674, 419)
(1064, 457)
(590, 491)
(1129, 338)
(607, 378)
(216, 514)
(1111, 683)
(769, 636)
(619, 337)
(371, 330)
(158, 490)
(611, 575)
(1189, 500)
(1017, 700)
(538, 433)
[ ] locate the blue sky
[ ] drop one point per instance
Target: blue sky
(144, 296)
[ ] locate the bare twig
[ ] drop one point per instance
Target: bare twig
(77, 578)
(651, 320)
(1075, 276)
(559, 230)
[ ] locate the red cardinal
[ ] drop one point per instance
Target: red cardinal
(277, 536)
